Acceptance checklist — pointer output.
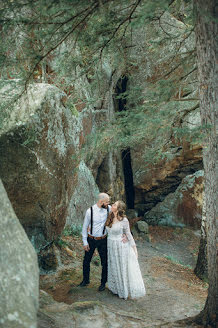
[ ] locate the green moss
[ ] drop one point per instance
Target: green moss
(174, 260)
(73, 109)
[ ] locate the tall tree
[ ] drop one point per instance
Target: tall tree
(201, 265)
(207, 53)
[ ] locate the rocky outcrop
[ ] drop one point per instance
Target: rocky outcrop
(37, 143)
(106, 164)
(183, 207)
(81, 314)
(84, 196)
(142, 227)
(19, 272)
(141, 230)
(155, 182)
(175, 113)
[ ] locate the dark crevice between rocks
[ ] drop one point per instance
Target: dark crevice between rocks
(128, 178)
(120, 105)
(121, 87)
(102, 178)
(157, 194)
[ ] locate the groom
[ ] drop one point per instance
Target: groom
(94, 222)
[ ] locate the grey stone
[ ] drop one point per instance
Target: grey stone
(183, 207)
(84, 196)
(19, 271)
(142, 227)
(147, 238)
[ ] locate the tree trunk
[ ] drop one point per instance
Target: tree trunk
(207, 54)
(201, 266)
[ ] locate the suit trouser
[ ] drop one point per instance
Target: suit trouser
(101, 246)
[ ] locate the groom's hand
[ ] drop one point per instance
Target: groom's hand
(86, 248)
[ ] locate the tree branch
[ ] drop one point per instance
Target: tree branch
(118, 27)
(184, 76)
(58, 44)
(186, 99)
(174, 68)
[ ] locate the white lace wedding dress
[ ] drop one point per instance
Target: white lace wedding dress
(124, 275)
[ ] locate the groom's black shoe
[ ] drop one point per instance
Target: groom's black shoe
(84, 283)
(101, 288)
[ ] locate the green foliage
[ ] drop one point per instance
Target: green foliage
(73, 230)
(76, 39)
(72, 108)
(61, 243)
(150, 124)
(29, 136)
(9, 95)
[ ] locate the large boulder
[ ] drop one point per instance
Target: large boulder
(19, 272)
(183, 207)
(37, 142)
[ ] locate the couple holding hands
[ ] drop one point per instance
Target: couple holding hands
(106, 228)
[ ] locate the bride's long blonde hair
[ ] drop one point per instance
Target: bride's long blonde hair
(121, 207)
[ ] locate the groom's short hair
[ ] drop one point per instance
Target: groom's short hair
(103, 196)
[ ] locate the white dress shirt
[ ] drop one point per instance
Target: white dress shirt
(99, 219)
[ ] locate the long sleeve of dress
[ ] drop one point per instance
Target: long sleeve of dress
(126, 230)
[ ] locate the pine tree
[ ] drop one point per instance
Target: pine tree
(207, 53)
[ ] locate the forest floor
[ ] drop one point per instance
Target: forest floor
(174, 293)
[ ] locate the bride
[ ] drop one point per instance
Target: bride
(124, 275)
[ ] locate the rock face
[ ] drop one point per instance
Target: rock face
(36, 147)
(104, 164)
(84, 196)
(19, 271)
(154, 181)
(183, 207)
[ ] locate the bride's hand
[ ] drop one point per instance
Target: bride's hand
(124, 238)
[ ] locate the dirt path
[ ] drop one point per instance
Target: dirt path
(173, 291)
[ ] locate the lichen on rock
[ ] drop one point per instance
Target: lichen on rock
(19, 275)
(36, 146)
(183, 207)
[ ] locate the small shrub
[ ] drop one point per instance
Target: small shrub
(61, 243)
(72, 230)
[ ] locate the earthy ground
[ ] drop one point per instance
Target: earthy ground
(173, 291)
